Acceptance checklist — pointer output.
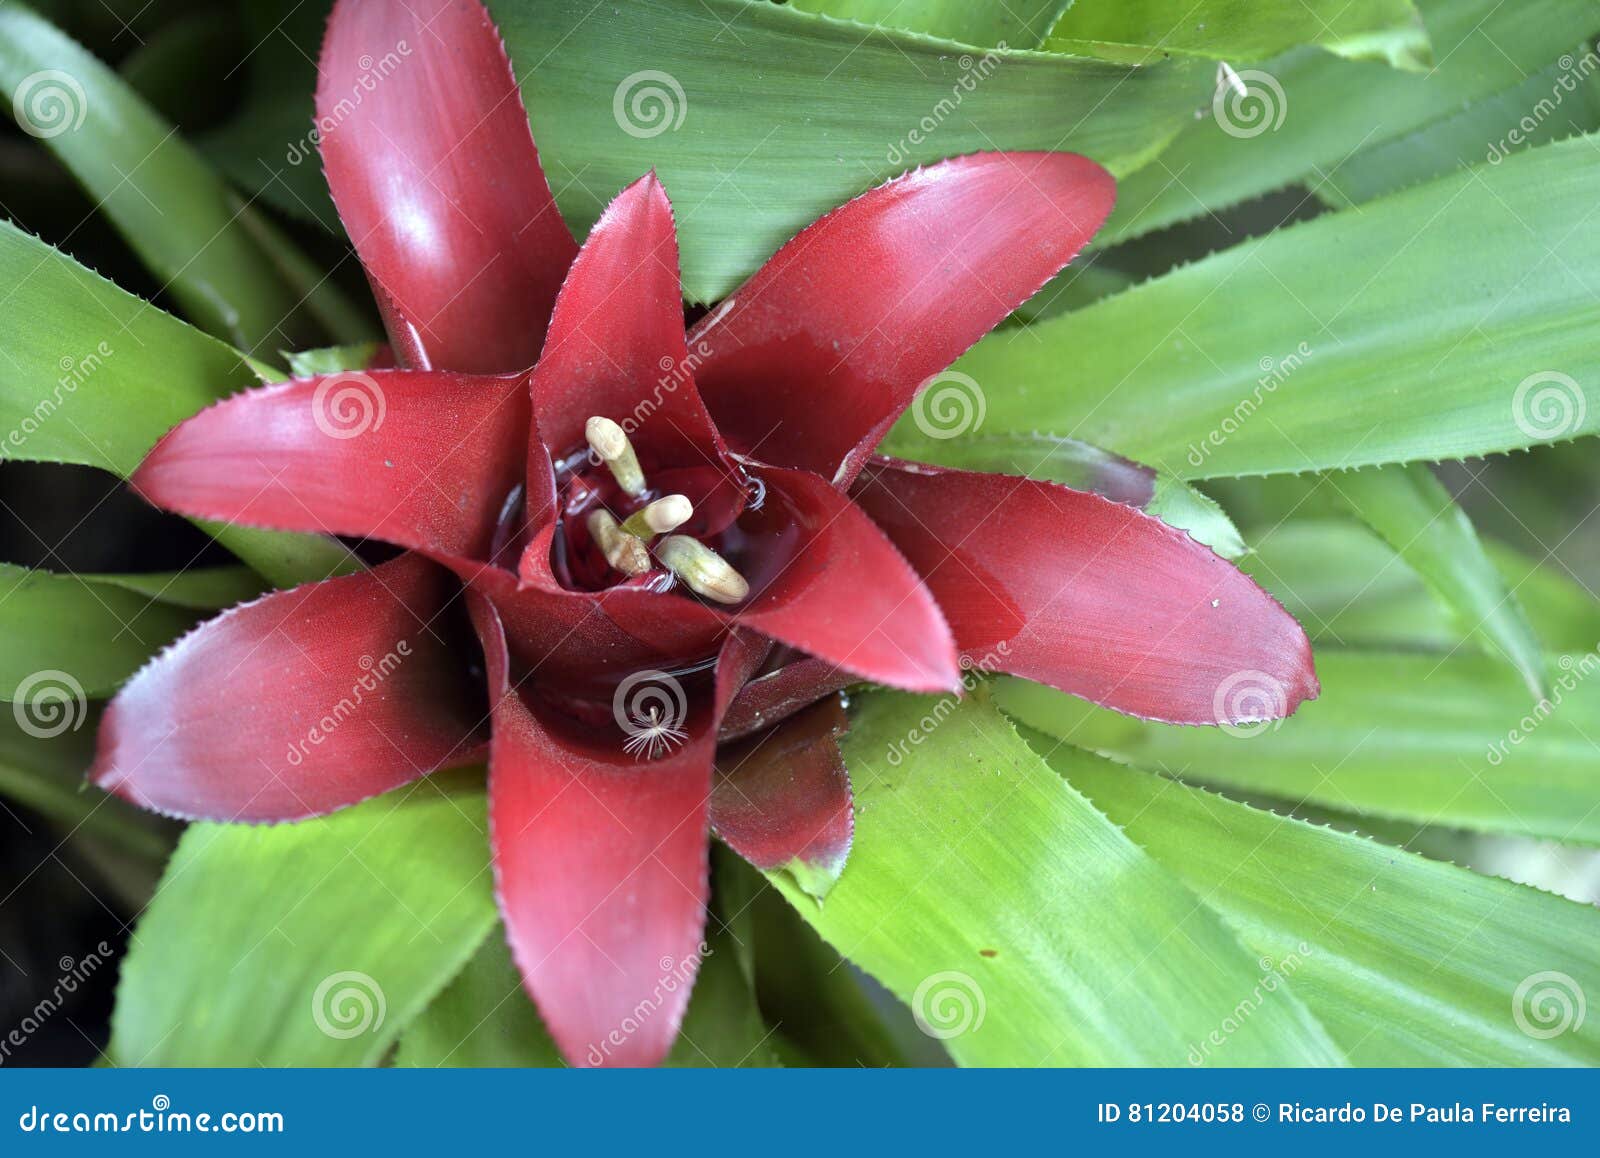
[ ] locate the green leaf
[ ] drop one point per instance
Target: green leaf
(805, 988)
(1451, 740)
(744, 171)
(1351, 340)
(331, 359)
(1558, 101)
(1074, 464)
(1017, 921)
(200, 589)
(866, 101)
(1347, 587)
(93, 375)
(309, 944)
(66, 635)
(484, 1018)
(1405, 960)
(1421, 521)
(42, 768)
(1138, 30)
(1331, 107)
(164, 199)
(1013, 24)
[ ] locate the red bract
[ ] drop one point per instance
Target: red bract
(618, 651)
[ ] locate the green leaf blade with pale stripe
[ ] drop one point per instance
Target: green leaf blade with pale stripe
(308, 944)
(1406, 961)
(1015, 919)
(1357, 339)
(1449, 740)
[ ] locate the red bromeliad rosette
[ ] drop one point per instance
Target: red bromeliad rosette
(663, 540)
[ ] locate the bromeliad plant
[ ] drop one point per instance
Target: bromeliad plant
(605, 620)
(664, 542)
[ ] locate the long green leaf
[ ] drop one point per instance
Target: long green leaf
(1138, 30)
(1405, 960)
(167, 202)
(64, 636)
(1351, 340)
(1449, 740)
(744, 172)
(1013, 24)
(1558, 101)
(616, 89)
(1326, 108)
(308, 944)
(1347, 587)
(1078, 465)
(1018, 923)
(42, 767)
(1413, 512)
(92, 375)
